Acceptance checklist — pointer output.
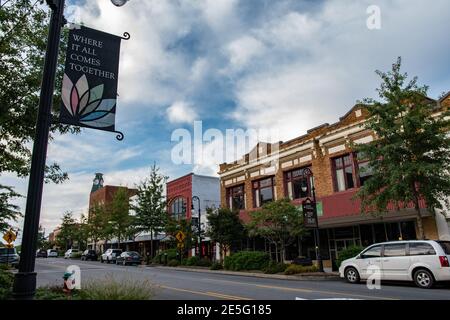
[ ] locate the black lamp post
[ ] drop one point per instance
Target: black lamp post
(25, 279)
(199, 225)
(306, 174)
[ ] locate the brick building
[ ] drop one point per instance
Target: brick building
(104, 195)
(274, 171)
(180, 205)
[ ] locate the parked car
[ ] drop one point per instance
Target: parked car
(70, 253)
(129, 257)
(9, 256)
(52, 253)
(303, 261)
(110, 255)
(423, 261)
(89, 255)
(41, 253)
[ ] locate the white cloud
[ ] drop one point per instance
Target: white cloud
(181, 112)
(242, 50)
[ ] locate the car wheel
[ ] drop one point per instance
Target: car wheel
(108, 261)
(352, 275)
(101, 260)
(423, 279)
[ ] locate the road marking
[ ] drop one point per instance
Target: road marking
(303, 290)
(208, 293)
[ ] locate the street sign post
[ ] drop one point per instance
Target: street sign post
(309, 214)
(9, 236)
(180, 236)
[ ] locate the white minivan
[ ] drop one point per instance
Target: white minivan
(422, 261)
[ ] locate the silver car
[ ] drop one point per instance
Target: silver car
(9, 256)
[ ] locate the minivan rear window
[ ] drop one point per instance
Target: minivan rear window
(445, 246)
(421, 249)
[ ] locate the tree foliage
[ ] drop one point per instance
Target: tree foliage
(8, 212)
(280, 222)
(410, 159)
(224, 227)
(150, 207)
(121, 223)
(68, 231)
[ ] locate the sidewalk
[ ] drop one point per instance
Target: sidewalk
(298, 277)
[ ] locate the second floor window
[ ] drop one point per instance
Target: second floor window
(297, 184)
(236, 198)
(263, 192)
(343, 173)
(178, 208)
(364, 169)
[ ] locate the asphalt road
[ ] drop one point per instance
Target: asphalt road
(185, 285)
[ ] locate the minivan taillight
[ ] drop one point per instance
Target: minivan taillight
(444, 261)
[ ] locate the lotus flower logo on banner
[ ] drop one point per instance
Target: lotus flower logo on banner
(89, 88)
(86, 104)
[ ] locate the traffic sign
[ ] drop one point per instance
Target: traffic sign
(10, 245)
(180, 245)
(180, 236)
(9, 236)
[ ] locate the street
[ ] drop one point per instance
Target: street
(185, 285)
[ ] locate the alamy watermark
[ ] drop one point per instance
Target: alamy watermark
(373, 22)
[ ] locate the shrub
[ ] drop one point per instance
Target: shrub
(204, 262)
(247, 260)
(6, 282)
(184, 262)
(173, 263)
(295, 269)
(172, 254)
(216, 266)
(275, 267)
(193, 261)
(348, 253)
(52, 293)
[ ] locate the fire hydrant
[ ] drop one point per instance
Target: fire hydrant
(67, 289)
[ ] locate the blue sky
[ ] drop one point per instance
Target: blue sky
(287, 65)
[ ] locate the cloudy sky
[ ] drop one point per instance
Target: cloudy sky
(284, 65)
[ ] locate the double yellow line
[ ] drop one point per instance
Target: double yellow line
(207, 293)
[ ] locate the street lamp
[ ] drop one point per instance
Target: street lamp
(306, 174)
(119, 3)
(199, 225)
(25, 279)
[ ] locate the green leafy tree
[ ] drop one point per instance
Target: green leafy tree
(120, 219)
(410, 159)
(23, 38)
(174, 225)
(150, 208)
(224, 227)
(8, 211)
(41, 239)
(68, 232)
(97, 221)
(280, 222)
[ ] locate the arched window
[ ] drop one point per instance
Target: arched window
(178, 208)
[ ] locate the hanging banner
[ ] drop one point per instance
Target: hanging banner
(89, 90)
(310, 219)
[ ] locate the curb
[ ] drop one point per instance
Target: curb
(300, 277)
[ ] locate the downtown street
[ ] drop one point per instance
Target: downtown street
(171, 284)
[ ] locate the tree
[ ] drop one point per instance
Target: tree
(98, 217)
(68, 231)
(173, 226)
(42, 239)
(8, 211)
(224, 227)
(120, 220)
(150, 207)
(409, 159)
(279, 222)
(82, 232)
